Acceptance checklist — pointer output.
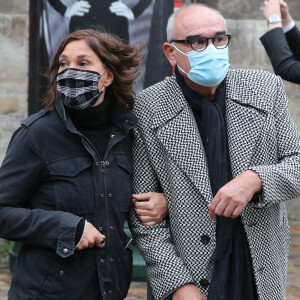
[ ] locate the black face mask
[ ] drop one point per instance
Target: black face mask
(77, 88)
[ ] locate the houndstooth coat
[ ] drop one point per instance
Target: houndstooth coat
(169, 157)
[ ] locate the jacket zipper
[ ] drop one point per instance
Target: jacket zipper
(103, 171)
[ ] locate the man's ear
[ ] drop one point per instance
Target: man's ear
(109, 78)
(169, 53)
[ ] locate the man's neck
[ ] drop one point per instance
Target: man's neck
(208, 92)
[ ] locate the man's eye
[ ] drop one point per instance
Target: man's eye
(199, 41)
(219, 38)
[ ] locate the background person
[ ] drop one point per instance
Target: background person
(65, 182)
(282, 41)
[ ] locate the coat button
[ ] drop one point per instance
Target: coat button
(100, 228)
(205, 239)
(102, 195)
(65, 250)
(97, 163)
(111, 259)
(110, 292)
(109, 195)
(107, 163)
(111, 227)
(204, 283)
(61, 272)
(102, 260)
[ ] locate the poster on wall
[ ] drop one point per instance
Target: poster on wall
(137, 22)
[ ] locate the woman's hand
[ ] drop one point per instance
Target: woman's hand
(151, 208)
(91, 237)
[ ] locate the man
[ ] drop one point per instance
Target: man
(282, 41)
(216, 142)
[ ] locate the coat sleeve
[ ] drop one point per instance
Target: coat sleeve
(166, 270)
(21, 173)
(283, 61)
(293, 39)
(281, 181)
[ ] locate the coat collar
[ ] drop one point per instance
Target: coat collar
(236, 84)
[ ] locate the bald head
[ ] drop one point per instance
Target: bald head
(191, 17)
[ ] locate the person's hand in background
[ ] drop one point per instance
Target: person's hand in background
(79, 8)
(121, 9)
(285, 14)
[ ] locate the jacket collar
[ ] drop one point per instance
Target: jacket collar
(237, 82)
(123, 120)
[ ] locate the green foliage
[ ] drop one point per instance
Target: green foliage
(5, 247)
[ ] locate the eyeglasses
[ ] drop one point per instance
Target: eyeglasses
(200, 43)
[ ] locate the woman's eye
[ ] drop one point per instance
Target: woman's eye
(62, 64)
(83, 63)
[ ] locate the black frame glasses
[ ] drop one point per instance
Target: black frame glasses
(200, 43)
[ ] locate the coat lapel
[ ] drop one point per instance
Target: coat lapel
(178, 133)
(245, 116)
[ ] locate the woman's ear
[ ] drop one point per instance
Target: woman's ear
(109, 78)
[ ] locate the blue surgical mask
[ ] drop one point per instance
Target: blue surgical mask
(208, 67)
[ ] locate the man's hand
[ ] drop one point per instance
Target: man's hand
(188, 292)
(91, 237)
(285, 14)
(233, 197)
(151, 208)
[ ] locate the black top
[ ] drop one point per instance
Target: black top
(94, 123)
(232, 275)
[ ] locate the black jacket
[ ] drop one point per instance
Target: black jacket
(50, 179)
(284, 52)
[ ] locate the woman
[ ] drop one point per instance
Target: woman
(66, 179)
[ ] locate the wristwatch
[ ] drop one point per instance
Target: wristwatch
(274, 19)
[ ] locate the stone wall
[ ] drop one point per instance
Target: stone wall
(245, 23)
(13, 72)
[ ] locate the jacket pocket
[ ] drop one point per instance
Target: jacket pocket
(69, 167)
(124, 161)
(74, 190)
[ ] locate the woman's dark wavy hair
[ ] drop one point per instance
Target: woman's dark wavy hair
(123, 60)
